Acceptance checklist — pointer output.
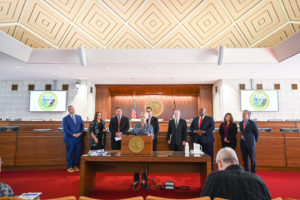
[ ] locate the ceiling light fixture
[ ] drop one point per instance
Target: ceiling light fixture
(82, 56)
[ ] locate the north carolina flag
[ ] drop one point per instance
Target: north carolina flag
(174, 109)
(133, 112)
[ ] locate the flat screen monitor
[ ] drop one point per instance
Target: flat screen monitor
(260, 100)
(48, 101)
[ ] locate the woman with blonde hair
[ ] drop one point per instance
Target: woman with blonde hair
(143, 128)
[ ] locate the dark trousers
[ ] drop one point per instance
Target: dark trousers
(176, 147)
(248, 152)
(208, 148)
(154, 143)
(115, 145)
(74, 146)
(231, 145)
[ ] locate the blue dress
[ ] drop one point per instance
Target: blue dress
(139, 130)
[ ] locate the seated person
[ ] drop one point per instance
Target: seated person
(232, 182)
(5, 190)
(143, 128)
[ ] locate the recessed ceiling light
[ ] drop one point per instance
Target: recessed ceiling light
(63, 67)
(53, 73)
(107, 68)
(19, 67)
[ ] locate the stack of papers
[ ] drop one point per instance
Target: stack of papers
(100, 152)
(31, 195)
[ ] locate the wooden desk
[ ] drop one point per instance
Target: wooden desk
(160, 161)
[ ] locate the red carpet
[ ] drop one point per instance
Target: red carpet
(58, 183)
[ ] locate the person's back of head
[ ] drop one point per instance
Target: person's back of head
(226, 157)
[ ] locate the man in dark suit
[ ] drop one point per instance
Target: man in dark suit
(73, 127)
(202, 128)
(232, 182)
(249, 137)
(177, 132)
(118, 126)
(154, 122)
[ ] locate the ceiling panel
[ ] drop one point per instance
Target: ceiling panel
(135, 24)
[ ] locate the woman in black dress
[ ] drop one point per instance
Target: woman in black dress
(228, 131)
(97, 132)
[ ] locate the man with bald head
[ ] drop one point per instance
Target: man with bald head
(232, 182)
(177, 132)
(202, 127)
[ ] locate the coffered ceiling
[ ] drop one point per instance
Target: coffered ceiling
(127, 24)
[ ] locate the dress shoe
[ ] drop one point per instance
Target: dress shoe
(70, 170)
(76, 169)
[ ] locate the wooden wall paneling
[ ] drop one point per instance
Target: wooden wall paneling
(186, 104)
(39, 148)
(293, 149)
(8, 142)
(270, 150)
(206, 99)
(103, 102)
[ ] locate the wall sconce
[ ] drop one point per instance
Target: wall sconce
(77, 84)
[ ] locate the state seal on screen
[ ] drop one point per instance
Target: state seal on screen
(259, 100)
(47, 101)
(156, 106)
(136, 144)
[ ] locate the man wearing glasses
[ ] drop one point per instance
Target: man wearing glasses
(5, 190)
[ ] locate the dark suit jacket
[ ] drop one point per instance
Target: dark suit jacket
(154, 123)
(250, 133)
(113, 125)
(208, 125)
(179, 133)
(235, 184)
(232, 131)
(71, 128)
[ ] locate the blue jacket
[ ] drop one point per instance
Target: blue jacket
(207, 125)
(250, 133)
(71, 128)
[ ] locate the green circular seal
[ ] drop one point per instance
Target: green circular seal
(48, 101)
(259, 100)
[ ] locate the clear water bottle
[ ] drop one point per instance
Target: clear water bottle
(187, 148)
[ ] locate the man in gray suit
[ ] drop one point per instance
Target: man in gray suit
(177, 132)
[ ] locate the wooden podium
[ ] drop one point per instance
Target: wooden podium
(139, 145)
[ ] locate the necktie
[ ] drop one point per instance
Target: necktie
(73, 117)
(200, 122)
(244, 125)
(176, 122)
(119, 122)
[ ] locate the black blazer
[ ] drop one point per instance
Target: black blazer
(179, 134)
(208, 125)
(234, 183)
(155, 125)
(113, 125)
(250, 133)
(232, 131)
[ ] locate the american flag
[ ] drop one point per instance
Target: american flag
(174, 109)
(133, 112)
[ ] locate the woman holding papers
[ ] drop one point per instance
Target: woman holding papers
(143, 128)
(97, 132)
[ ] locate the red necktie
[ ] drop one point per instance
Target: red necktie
(119, 122)
(244, 125)
(200, 122)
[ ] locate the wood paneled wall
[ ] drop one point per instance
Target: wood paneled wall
(188, 98)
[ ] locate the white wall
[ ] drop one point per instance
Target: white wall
(15, 104)
(227, 99)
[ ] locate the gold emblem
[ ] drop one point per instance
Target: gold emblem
(156, 106)
(136, 144)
